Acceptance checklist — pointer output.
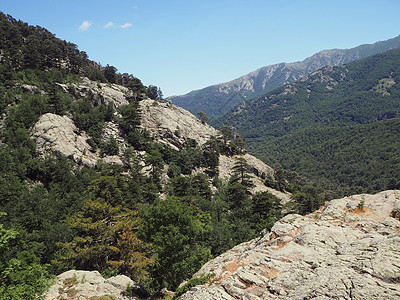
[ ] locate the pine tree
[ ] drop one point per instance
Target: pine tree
(241, 171)
(203, 117)
(105, 234)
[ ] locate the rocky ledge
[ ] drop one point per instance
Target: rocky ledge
(348, 249)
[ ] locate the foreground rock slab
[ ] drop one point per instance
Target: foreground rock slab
(348, 249)
(76, 284)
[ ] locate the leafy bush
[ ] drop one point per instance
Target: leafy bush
(178, 235)
(21, 277)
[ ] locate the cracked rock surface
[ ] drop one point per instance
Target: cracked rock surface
(348, 249)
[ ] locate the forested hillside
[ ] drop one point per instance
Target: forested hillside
(337, 126)
(216, 100)
(156, 212)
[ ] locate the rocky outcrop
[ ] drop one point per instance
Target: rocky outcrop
(91, 285)
(172, 124)
(167, 123)
(58, 133)
(348, 249)
(54, 133)
(225, 171)
(103, 93)
(31, 89)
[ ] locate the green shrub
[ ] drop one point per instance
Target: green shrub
(203, 279)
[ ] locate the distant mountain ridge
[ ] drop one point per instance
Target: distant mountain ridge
(218, 99)
(338, 125)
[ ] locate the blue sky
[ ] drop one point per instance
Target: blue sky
(182, 45)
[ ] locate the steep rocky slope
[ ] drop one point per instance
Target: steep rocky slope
(167, 123)
(54, 133)
(226, 164)
(220, 98)
(348, 249)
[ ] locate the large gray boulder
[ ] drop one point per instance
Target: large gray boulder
(348, 249)
(75, 284)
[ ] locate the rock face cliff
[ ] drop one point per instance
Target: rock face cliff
(167, 123)
(54, 133)
(348, 249)
(218, 99)
(172, 125)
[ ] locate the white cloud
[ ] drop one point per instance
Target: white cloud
(85, 26)
(109, 24)
(126, 25)
(112, 25)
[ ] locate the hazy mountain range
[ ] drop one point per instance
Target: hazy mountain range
(218, 99)
(338, 125)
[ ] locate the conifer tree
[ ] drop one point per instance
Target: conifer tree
(105, 234)
(241, 172)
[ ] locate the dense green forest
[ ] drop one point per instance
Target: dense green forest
(57, 214)
(338, 126)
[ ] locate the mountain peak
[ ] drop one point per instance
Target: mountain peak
(218, 99)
